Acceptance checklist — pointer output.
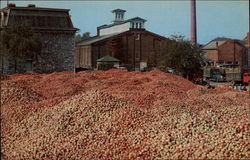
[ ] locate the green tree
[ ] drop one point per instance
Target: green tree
(21, 42)
(77, 38)
(179, 54)
(84, 36)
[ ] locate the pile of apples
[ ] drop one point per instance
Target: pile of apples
(121, 115)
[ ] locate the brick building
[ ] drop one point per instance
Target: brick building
(247, 40)
(57, 35)
(247, 45)
(126, 40)
(226, 51)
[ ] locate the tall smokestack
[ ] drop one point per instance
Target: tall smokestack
(193, 23)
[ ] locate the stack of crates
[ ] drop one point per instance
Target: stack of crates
(233, 74)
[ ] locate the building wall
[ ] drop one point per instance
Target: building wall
(83, 57)
(98, 51)
(115, 29)
(227, 53)
(230, 51)
(135, 47)
(57, 54)
(247, 44)
(211, 55)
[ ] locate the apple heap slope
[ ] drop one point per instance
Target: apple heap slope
(120, 115)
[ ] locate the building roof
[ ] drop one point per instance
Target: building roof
(136, 18)
(118, 10)
(40, 18)
(221, 40)
(35, 8)
(212, 44)
(95, 39)
(107, 59)
(122, 22)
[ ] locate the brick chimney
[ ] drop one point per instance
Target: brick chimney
(193, 31)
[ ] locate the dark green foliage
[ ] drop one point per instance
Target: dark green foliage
(77, 38)
(84, 36)
(21, 42)
(178, 54)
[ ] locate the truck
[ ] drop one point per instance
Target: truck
(226, 73)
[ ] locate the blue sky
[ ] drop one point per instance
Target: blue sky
(214, 18)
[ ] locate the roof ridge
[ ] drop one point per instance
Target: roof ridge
(35, 8)
(107, 58)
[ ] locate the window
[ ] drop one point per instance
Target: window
(137, 37)
(136, 25)
(140, 25)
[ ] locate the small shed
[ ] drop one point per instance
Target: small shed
(107, 62)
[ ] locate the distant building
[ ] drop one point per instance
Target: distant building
(247, 45)
(126, 40)
(247, 40)
(226, 51)
(107, 62)
(57, 35)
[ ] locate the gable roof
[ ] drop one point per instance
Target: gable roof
(212, 45)
(95, 39)
(221, 40)
(107, 59)
(118, 10)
